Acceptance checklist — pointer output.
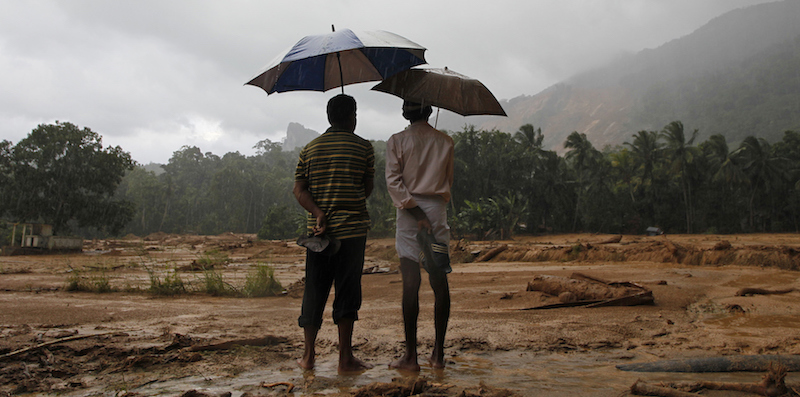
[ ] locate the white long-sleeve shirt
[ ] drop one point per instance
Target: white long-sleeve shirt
(419, 160)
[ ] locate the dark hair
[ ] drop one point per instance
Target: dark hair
(341, 108)
(413, 111)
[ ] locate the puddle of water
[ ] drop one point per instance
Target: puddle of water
(588, 373)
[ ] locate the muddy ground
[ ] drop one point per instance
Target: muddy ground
(133, 342)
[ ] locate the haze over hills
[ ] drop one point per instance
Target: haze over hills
(738, 75)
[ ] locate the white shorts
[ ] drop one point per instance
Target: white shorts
(435, 209)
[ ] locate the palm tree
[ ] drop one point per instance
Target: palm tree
(646, 151)
(725, 167)
(583, 156)
(764, 170)
(681, 154)
(529, 137)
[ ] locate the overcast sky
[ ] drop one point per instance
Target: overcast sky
(154, 75)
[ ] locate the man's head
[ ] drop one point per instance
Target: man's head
(413, 111)
(342, 112)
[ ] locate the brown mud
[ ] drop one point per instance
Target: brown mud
(132, 342)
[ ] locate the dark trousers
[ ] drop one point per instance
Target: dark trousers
(342, 270)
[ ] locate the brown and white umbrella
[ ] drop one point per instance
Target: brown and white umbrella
(444, 89)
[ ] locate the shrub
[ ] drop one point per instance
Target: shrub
(213, 284)
(262, 282)
(171, 285)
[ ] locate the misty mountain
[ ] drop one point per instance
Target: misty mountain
(297, 135)
(738, 75)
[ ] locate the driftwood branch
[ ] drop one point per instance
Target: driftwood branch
(643, 389)
(583, 290)
(771, 385)
(289, 386)
(52, 342)
(491, 253)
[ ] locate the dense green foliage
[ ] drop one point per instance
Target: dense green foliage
(504, 184)
(61, 175)
(206, 194)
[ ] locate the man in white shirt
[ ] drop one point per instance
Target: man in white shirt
(419, 176)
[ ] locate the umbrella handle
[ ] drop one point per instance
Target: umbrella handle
(341, 76)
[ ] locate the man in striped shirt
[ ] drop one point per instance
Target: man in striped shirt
(333, 179)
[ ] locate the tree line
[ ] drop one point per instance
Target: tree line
(504, 184)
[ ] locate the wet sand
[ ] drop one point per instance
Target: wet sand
(134, 343)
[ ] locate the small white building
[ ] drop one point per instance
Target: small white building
(40, 235)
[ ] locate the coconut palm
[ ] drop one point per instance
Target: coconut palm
(764, 170)
(681, 155)
(583, 157)
(646, 151)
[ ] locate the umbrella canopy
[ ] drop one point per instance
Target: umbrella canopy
(322, 62)
(443, 88)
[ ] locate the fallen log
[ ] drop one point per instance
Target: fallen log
(582, 287)
(772, 385)
(761, 291)
(643, 389)
(562, 304)
(491, 253)
(583, 290)
(642, 298)
(227, 345)
(747, 363)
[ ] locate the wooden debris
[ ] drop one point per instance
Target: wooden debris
(289, 386)
(643, 389)
(760, 291)
(772, 385)
(491, 253)
(749, 363)
(583, 290)
(642, 298)
(265, 341)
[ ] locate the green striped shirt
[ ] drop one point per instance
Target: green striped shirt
(336, 165)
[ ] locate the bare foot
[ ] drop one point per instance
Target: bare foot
(353, 364)
(405, 364)
(306, 363)
(436, 361)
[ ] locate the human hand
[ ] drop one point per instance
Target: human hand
(425, 224)
(322, 224)
(422, 220)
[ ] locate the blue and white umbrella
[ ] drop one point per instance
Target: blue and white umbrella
(322, 62)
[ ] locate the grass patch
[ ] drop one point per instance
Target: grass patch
(262, 282)
(213, 284)
(78, 282)
(211, 258)
(172, 284)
